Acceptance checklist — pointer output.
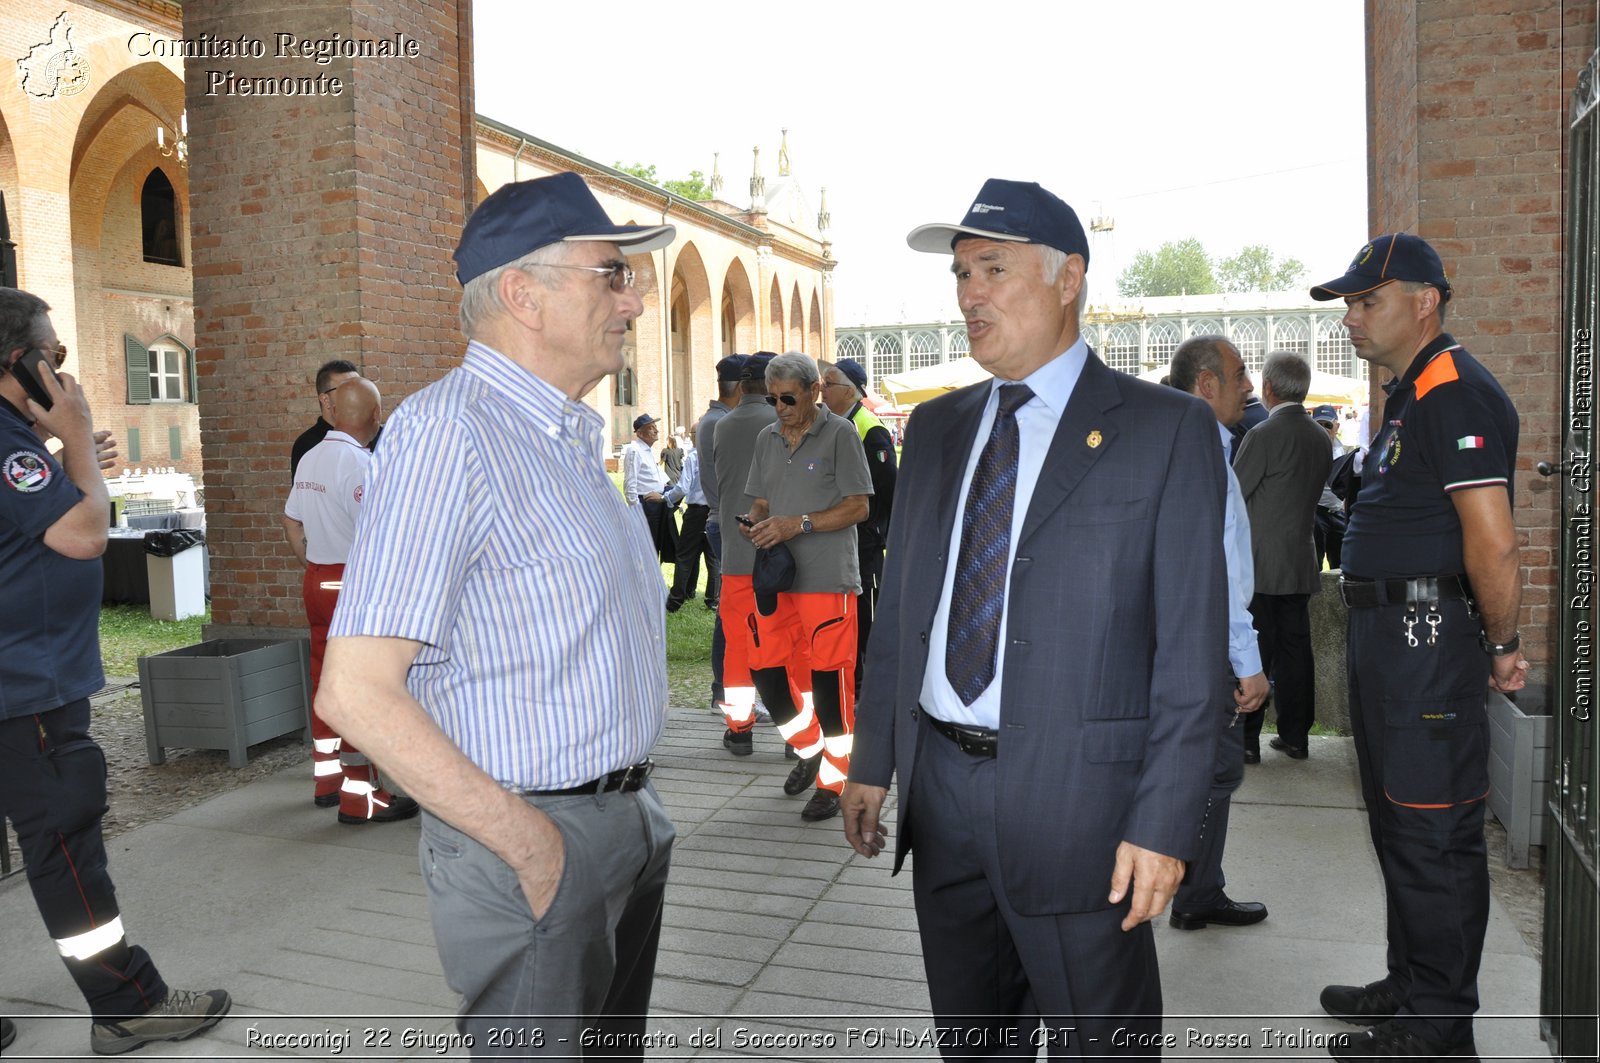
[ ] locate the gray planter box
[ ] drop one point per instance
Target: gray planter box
(1519, 774)
(225, 694)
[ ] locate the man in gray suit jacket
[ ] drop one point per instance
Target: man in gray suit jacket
(1047, 658)
(1281, 466)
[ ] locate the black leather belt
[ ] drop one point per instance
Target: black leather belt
(973, 741)
(626, 779)
(1421, 590)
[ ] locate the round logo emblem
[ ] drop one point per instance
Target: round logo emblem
(27, 471)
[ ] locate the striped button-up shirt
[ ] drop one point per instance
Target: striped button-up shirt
(491, 534)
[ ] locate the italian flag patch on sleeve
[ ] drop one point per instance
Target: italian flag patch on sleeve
(1469, 443)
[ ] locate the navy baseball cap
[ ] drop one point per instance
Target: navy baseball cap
(1325, 413)
(853, 372)
(755, 365)
(642, 420)
(731, 367)
(523, 216)
(1393, 257)
(1019, 211)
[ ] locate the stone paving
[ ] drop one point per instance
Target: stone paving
(779, 942)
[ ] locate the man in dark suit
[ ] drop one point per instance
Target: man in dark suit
(1281, 469)
(1051, 780)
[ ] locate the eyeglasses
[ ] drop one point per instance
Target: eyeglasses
(58, 353)
(788, 400)
(838, 384)
(621, 275)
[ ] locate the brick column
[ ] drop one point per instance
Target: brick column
(327, 195)
(1467, 116)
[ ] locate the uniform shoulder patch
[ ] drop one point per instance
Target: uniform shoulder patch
(1442, 370)
(27, 471)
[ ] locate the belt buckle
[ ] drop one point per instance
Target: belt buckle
(634, 775)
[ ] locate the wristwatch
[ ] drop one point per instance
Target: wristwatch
(806, 527)
(1500, 649)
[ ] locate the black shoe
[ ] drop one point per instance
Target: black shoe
(1397, 1039)
(326, 800)
(1228, 913)
(1294, 752)
(8, 1033)
(802, 776)
(789, 752)
(824, 804)
(1364, 1005)
(672, 606)
(739, 743)
(1252, 756)
(712, 605)
(382, 807)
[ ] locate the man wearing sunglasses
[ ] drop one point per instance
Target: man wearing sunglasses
(53, 525)
(499, 647)
(810, 485)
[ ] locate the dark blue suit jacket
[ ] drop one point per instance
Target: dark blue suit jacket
(1116, 650)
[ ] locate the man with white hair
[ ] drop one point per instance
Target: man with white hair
(500, 641)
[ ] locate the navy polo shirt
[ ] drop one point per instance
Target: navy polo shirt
(50, 640)
(1447, 426)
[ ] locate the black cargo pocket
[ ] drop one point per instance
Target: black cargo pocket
(1435, 752)
(79, 770)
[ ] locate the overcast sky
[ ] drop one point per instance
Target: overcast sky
(1236, 122)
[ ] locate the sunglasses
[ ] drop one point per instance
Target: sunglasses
(787, 400)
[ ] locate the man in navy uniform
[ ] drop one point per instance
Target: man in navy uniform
(1433, 579)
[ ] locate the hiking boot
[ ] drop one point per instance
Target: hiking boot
(183, 1014)
(1364, 1005)
(802, 775)
(824, 804)
(739, 743)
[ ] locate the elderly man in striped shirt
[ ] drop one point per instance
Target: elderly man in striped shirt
(499, 642)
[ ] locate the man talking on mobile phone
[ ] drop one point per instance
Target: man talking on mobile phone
(54, 515)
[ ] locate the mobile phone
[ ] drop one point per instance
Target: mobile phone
(30, 370)
(746, 521)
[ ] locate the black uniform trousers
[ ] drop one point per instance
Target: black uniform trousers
(1203, 883)
(692, 545)
(53, 789)
(1283, 633)
(1003, 984)
(871, 562)
(1422, 744)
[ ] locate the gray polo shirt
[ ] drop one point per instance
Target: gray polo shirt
(704, 442)
(734, 447)
(826, 468)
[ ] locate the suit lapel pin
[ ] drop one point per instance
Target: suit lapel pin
(1094, 439)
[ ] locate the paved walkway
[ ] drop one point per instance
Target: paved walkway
(773, 927)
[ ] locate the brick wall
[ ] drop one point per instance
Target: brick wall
(323, 225)
(1467, 118)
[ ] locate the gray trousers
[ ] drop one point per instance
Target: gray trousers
(581, 976)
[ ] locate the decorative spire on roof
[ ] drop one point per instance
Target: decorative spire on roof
(783, 155)
(716, 174)
(824, 219)
(758, 184)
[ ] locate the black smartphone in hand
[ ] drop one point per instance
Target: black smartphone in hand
(746, 521)
(30, 370)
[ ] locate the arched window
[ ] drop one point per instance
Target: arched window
(886, 357)
(158, 210)
(1204, 327)
(960, 346)
(1161, 342)
(850, 347)
(924, 349)
(1122, 348)
(1291, 336)
(1333, 347)
(1250, 337)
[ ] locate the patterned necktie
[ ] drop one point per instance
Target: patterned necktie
(975, 603)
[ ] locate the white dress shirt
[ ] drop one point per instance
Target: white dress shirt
(1244, 652)
(1052, 385)
(640, 472)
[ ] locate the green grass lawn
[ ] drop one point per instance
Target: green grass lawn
(127, 633)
